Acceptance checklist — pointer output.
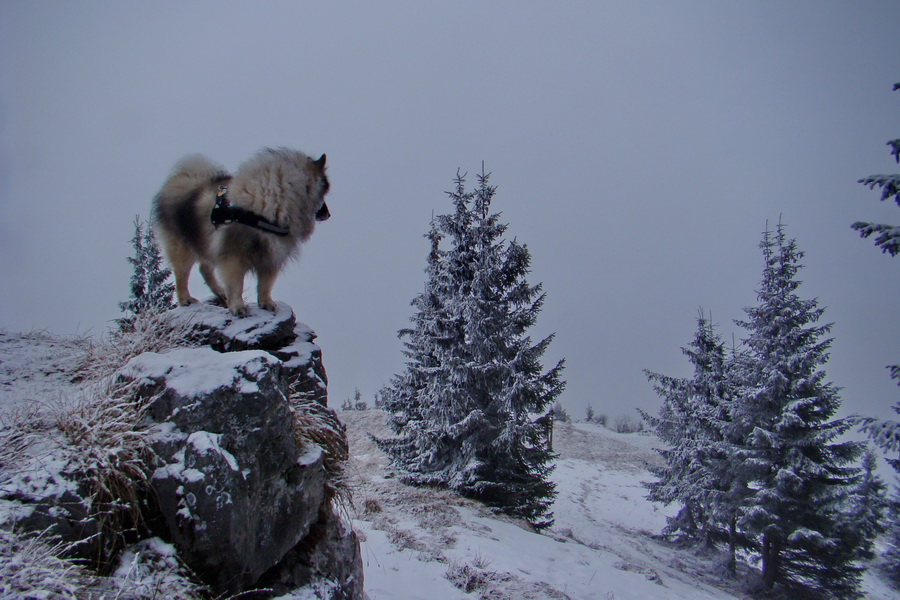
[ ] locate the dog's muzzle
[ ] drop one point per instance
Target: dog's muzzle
(323, 214)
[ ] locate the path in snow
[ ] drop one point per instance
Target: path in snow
(600, 547)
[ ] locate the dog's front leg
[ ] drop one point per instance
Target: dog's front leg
(264, 286)
(233, 272)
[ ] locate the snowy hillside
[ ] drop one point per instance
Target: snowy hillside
(36, 366)
(433, 545)
(421, 544)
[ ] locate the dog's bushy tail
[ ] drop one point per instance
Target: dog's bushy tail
(192, 172)
(190, 175)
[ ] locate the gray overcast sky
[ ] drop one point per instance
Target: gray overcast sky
(639, 149)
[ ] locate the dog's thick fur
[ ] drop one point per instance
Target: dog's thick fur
(284, 186)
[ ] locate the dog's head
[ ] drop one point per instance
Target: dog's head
(320, 186)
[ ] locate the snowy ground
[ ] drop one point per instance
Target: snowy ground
(36, 366)
(600, 547)
(419, 542)
(433, 545)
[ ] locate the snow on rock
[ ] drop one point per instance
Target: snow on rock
(240, 495)
(278, 333)
(216, 326)
(199, 371)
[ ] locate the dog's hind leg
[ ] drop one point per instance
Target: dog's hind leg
(233, 272)
(266, 280)
(208, 272)
(182, 262)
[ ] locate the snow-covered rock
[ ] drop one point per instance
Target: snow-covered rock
(239, 493)
(236, 491)
(217, 327)
(278, 333)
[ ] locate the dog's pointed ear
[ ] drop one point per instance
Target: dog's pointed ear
(321, 162)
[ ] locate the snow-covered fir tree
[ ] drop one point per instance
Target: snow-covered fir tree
(800, 474)
(885, 433)
(695, 423)
(867, 507)
(151, 290)
(891, 539)
(471, 407)
(887, 237)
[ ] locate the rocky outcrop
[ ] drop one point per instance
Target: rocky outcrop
(226, 450)
(239, 490)
(278, 333)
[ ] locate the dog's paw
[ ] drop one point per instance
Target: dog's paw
(269, 305)
(188, 301)
(240, 311)
(218, 301)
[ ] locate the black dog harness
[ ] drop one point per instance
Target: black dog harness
(224, 213)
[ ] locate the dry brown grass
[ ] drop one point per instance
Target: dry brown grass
(152, 332)
(319, 425)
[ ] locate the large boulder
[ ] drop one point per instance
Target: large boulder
(236, 491)
(240, 489)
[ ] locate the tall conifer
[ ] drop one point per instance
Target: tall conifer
(470, 408)
(799, 471)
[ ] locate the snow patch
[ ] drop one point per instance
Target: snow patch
(201, 371)
(204, 442)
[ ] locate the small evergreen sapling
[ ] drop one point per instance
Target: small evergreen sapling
(558, 413)
(151, 290)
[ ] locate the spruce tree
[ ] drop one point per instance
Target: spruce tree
(695, 423)
(867, 508)
(151, 290)
(469, 408)
(886, 433)
(800, 474)
(887, 237)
